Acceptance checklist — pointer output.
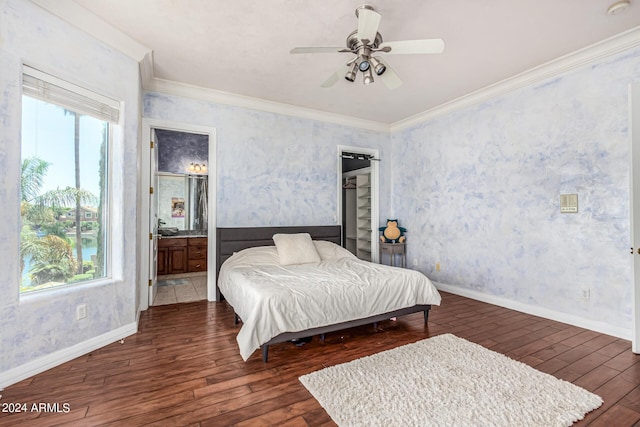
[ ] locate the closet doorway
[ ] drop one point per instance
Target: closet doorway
(358, 195)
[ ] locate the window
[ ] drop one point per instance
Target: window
(65, 151)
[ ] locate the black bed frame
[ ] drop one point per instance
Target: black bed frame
(230, 240)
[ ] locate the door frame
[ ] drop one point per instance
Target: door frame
(375, 193)
(153, 250)
(634, 204)
(145, 184)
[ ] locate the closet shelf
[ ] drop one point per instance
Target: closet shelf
(358, 215)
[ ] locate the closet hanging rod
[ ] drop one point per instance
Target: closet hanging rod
(358, 156)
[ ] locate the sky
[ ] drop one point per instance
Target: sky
(47, 133)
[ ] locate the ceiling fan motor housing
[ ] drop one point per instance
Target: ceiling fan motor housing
(354, 43)
(364, 6)
(364, 55)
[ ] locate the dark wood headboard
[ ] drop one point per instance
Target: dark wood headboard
(231, 240)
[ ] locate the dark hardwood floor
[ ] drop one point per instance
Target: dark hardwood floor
(183, 369)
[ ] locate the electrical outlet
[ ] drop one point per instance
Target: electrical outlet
(414, 262)
(81, 311)
(437, 266)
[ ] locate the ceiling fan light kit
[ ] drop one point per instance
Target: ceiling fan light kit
(368, 77)
(378, 67)
(365, 41)
(351, 73)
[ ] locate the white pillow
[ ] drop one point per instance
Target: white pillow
(258, 255)
(295, 249)
(331, 251)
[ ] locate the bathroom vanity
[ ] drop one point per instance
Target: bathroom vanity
(182, 253)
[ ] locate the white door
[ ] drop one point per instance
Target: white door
(634, 129)
(153, 218)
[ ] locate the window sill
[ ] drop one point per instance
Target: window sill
(54, 291)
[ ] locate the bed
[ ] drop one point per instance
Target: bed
(278, 301)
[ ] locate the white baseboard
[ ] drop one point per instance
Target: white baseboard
(600, 327)
(41, 364)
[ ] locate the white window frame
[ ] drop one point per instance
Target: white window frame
(102, 108)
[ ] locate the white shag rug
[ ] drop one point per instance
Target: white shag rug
(446, 381)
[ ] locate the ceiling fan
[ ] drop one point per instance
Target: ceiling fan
(366, 41)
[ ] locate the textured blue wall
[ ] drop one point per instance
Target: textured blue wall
(35, 326)
(176, 150)
(479, 191)
(273, 169)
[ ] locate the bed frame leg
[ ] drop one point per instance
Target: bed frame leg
(375, 326)
(322, 338)
(236, 319)
(265, 353)
(426, 316)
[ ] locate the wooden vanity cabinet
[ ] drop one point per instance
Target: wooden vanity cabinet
(162, 261)
(197, 253)
(182, 255)
(172, 256)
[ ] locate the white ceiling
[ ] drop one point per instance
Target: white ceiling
(242, 46)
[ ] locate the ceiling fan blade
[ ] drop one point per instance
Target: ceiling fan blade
(389, 77)
(368, 22)
(414, 46)
(340, 72)
(321, 49)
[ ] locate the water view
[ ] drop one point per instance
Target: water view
(89, 249)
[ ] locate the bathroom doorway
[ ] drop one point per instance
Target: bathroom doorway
(181, 198)
(179, 242)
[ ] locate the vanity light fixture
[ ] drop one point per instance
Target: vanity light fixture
(197, 168)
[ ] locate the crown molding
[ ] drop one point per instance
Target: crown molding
(220, 97)
(76, 15)
(588, 55)
(597, 51)
(146, 69)
(91, 24)
(80, 17)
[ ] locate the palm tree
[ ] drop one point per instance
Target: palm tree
(32, 177)
(34, 170)
(76, 149)
(50, 255)
(99, 265)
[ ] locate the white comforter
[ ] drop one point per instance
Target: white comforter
(272, 299)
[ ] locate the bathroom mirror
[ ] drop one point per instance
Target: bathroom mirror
(182, 201)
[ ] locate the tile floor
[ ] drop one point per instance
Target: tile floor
(173, 290)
